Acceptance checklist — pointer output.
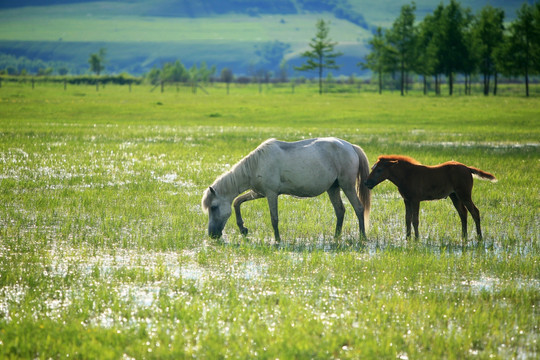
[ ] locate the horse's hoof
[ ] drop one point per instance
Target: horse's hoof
(244, 231)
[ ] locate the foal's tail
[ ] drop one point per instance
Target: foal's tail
(480, 174)
(364, 194)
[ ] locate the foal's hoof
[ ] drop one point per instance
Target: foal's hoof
(244, 231)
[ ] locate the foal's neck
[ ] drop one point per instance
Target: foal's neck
(398, 173)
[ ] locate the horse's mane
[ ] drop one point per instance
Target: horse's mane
(398, 158)
(229, 181)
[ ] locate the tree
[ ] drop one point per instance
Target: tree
(227, 77)
(453, 50)
(63, 70)
(488, 33)
(521, 53)
(97, 61)
(206, 73)
(403, 38)
(430, 47)
(283, 71)
(322, 55)
(428, 63)
(174, 72)
(194, 76)
(378, 60)
(154, 76)
(470, 56)
(45, 71)
(536, 41)
(200, 74)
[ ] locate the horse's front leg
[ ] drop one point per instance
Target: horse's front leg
(251, 195)
(273, 206)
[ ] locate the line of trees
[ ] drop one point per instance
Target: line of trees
(174, 73)
(453, 41)
(20, 65)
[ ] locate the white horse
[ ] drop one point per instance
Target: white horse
(305, 168)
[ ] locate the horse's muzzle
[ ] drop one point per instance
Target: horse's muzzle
(215, 233)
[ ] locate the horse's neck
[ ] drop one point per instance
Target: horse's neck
(232, 184)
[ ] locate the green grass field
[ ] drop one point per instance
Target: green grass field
(104, 252)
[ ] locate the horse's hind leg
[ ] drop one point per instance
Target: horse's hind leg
(273, 206)
(462, 211)
(475, 213)
(335, 198)
(251, 195)
(357, 206)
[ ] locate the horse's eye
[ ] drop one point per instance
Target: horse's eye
(214, 207)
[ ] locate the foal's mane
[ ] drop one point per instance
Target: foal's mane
(403, 158)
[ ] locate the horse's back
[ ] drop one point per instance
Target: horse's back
(315, 146)
(318, 152)
(306, 167)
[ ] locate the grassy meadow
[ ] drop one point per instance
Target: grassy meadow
(104, 252)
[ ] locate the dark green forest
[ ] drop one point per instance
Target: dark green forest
(452, 41)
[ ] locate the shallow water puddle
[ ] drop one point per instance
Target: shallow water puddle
(138, 278)
(493, 284)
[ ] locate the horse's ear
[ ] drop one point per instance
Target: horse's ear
(212, 190)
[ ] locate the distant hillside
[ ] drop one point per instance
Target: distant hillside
(244, 35)
(247, 36)
(342, 9)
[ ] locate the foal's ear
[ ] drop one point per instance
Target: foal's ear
(212, 190)
(387, 163)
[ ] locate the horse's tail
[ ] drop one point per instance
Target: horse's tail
(364, 194)
(480, 174)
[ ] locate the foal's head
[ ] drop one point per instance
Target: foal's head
(379, 172)
(383, 167)
(218, 209)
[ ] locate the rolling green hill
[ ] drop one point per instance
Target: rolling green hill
(140, 34)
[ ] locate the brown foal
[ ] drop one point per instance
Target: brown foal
(417, 182)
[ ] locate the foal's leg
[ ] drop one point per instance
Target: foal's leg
(462, 211)
(251, 195)
(475, 213)
(350, 192)
(408, 217)
(273, 206)
(335, 198)
(415, 210)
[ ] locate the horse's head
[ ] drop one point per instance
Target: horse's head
(379, 172)
(218, 209)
